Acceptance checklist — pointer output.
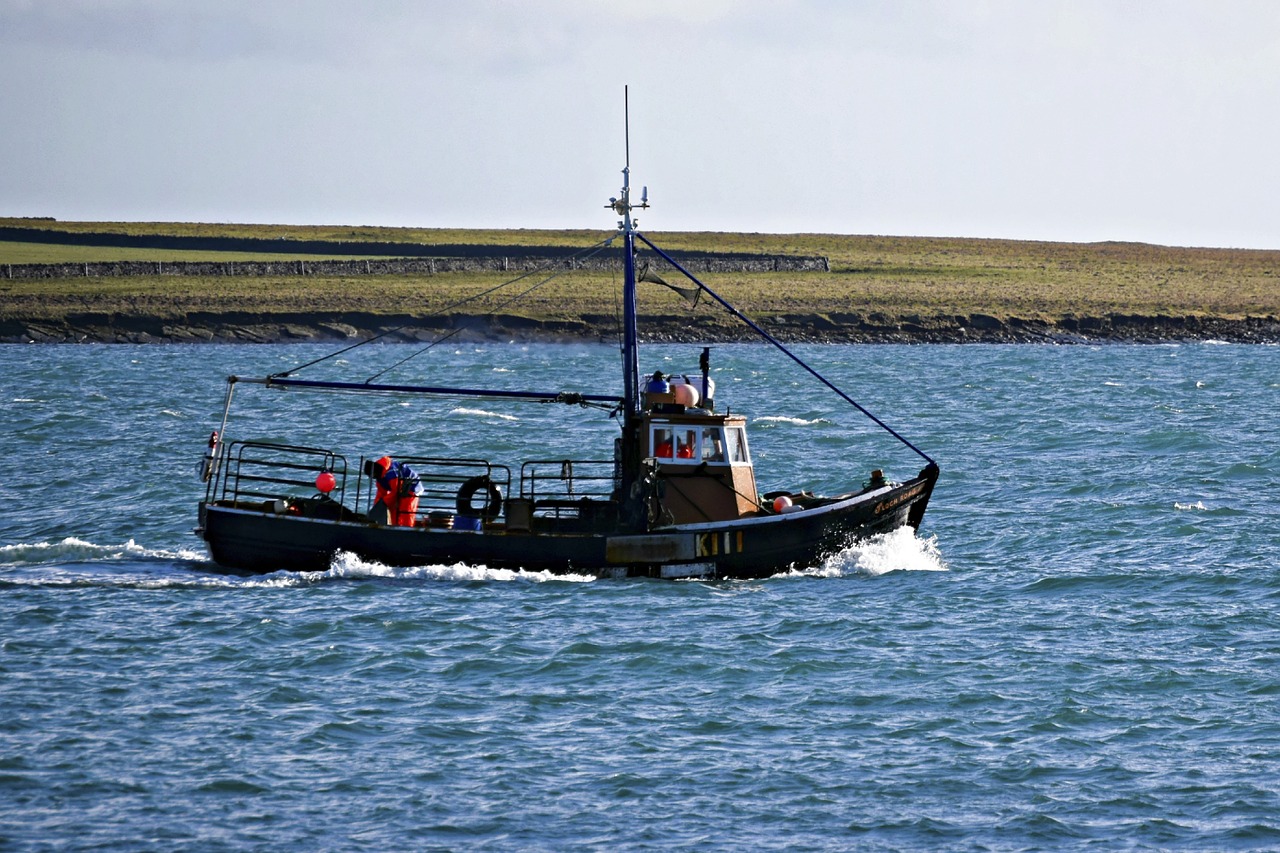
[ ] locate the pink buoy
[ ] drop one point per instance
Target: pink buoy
(325, 482)
(686, 395)
(781, 504)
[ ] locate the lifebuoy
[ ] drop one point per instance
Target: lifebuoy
(467, 493)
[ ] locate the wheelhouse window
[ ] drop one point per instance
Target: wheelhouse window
(737, 444)
(710, 444)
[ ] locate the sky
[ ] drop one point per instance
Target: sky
(1078, 121)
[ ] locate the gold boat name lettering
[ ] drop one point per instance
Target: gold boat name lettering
(886, 505)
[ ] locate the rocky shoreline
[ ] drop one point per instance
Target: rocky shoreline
(248, 327)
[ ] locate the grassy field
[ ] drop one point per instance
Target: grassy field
(894, 276)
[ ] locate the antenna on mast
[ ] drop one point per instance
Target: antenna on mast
(622, 205)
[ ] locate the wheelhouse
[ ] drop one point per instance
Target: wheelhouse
(702, 465)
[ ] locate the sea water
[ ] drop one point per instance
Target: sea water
(1080, 648)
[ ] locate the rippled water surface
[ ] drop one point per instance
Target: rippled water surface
(1081, 648)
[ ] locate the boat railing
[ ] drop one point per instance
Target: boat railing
(261, 472)
(568, 487)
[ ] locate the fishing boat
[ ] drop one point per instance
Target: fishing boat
(675, 496)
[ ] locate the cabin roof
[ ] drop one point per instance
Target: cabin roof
(694, 416)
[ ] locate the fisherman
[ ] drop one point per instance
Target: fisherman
(662, 445)
(684, 449)
(396, 503)
(657, 390)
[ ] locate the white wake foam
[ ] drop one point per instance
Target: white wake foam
(72, 549)
(347, 565)
(896, 551)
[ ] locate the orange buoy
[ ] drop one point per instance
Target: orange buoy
(325, 482)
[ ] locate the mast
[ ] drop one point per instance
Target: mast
(630, 340)
(629, 457)
(630, 334)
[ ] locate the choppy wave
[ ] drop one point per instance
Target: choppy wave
(785, 419)
(1091, 665)
(483, 413)
(75, 550)
(74, 562)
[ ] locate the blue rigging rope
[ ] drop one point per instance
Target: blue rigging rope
(771, 339)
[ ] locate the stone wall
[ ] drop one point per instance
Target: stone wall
(401, 266)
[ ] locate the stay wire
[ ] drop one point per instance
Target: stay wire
(589, 253)
(584, 254)
(788, 353)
